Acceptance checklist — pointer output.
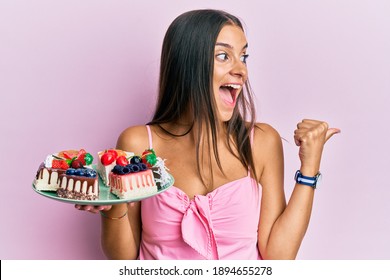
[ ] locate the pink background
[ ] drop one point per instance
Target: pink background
(74, 74)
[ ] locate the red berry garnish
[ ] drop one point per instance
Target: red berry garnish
(82, 158)
(81, 152)
(115, 153)
(122, 161)
(77, 164)
(149, 157)
(68, 154)
(59, 164)
(107, 158)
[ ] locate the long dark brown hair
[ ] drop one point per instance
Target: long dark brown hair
(186, 84)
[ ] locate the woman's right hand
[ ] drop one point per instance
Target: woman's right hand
(311, 136)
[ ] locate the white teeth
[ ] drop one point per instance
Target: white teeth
(235, 86)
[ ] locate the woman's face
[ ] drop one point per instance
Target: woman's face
(230, 71)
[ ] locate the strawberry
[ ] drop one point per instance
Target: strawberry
(77, 164)
(59, 164)
(122, 161)
(81, 152)
(81, 158)
(114, 152)
(69, 154)
(107, 158)
(149, 157)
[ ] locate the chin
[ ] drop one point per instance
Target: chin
(225, 117)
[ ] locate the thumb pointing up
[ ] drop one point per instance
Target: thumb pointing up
(331, 132)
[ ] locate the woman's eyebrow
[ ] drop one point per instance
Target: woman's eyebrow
(226, 45)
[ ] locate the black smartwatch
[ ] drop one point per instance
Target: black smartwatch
(308, 181)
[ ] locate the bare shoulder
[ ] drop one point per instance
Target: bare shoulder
(133, 139)
(267, 148)
(266, 136)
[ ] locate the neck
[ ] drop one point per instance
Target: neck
(185, 127)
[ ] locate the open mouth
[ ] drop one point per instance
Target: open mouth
(229, 92)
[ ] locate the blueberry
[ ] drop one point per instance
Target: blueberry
(134, 168)
(135, 160)
(126, 170)
(79, 172)
(117, 169)
(120, 172)
(90, 173)
(70, 171)
(142, 166)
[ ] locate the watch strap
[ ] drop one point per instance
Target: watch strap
(306, 180)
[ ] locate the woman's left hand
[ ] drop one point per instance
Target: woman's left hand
(93, 208)
(311, 136)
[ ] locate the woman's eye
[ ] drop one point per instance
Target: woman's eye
(244, 58)
(222, 56)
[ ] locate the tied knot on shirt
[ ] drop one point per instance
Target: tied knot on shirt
(197, 228)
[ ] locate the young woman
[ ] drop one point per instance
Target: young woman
(228, 201)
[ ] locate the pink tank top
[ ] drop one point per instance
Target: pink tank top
(220, 225)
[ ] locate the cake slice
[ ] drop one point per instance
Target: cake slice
(50, 170)
(126, 175)
(133, 185)
(47, 178)
(107, 161)
(79, 184)
(57, 167)
(138, 176)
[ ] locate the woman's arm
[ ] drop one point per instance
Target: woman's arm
(121, 237)
(282, 227)
(120, 229)
(121, 224)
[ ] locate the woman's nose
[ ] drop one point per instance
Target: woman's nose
(239, 69)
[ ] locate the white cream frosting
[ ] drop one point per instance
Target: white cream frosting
(161, 169)
(48, 161)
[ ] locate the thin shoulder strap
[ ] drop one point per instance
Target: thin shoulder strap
(150, 137)
(251, 139)
(252, 135)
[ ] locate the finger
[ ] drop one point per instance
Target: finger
(331, 132)
(298, 137)
(81, 207)
(94, 210)
(308, 123)
(303, 125)
(104, 207)
(312, 121)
